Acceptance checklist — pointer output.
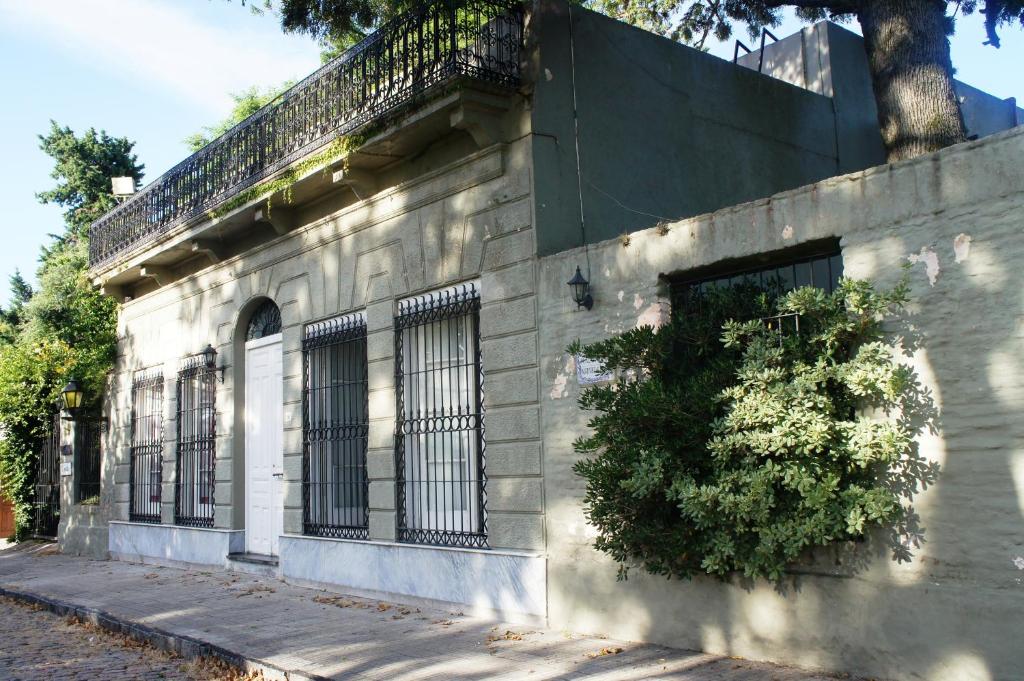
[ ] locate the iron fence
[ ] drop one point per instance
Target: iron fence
(335, 489)
(439, 435)
(46, 510)
(88, 478)
(433, 43)
(146, 474)
(196, 426)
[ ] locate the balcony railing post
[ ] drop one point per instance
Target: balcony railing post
(454, 13)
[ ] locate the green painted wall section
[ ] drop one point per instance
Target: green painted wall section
(665, 131)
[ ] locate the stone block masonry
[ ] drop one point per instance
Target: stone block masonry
(470, 219)
(955, 611)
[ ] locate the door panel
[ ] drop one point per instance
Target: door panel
(264, 435)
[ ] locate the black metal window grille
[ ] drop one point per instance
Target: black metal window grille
(47, 486)
(266, 321)
(439, 438)
(196, 448)
(433, 43)
(146, 474)
(822, 268)
(335, 490)
(88, 480)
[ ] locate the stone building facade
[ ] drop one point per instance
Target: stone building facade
(348, 370)
(954, 611)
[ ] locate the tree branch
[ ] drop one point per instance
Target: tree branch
(834, 6)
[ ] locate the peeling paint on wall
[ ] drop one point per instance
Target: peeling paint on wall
(787, 232)
(961, 247)
(931, 262)
(655, 315)
(1019, 562)
(560, 386)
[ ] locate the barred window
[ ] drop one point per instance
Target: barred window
(147, 447)
(817, 264)
(88, 480)
(196, 448)
(439, 443)
(335, 488)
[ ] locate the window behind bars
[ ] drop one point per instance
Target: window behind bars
(147, 444)
(439, 437)
(817, 264)
(88, 480)
(335, 488)
(196, 449)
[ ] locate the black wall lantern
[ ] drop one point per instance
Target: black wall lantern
(581, 290)
(72, 396)
(210, 360)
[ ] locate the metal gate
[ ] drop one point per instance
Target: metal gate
(47, 501)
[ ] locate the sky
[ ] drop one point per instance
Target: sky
(156, 71)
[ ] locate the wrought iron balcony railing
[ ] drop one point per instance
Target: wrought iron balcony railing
(429, 45)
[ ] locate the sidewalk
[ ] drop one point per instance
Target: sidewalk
(316, 634)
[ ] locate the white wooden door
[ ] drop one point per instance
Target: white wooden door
(264, 435)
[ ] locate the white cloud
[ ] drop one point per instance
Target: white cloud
(168, 44)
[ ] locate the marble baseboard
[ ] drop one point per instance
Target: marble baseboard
(172, 545)
(502, 584)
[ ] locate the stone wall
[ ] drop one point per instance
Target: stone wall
(956, 611)
(470, 218)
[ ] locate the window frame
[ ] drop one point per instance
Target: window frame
(420, 438)
(828, 253)
(346, 433)
(196, 443)
(88, 477)
(146, 446)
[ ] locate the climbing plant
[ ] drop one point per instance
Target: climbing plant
(750, 430)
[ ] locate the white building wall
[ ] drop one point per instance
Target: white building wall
(470, 219)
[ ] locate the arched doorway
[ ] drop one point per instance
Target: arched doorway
(264, 431)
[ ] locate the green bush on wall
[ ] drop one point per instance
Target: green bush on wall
(732, 446)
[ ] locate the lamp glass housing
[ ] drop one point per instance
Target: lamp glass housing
(72, 395)
(210, 356)
(580, 290)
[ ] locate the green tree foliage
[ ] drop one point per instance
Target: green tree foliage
(65, 328)
(10, 319)
(736, 446)
(906, 40)
(82, 168)
(338, 19)
(246, 104)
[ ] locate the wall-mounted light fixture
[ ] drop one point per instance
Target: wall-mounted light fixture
(580, 290)
(210, 360)
(72, 397)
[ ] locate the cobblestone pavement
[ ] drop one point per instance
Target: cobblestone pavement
(36, 645)
(313, 632)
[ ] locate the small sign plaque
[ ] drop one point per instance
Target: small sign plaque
(588, 371)
(66, 450)
(65, 468)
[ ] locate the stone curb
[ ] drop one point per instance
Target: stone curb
(187, 647)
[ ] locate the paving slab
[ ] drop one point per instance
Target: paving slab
(309, 633)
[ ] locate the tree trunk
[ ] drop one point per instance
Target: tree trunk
(912, 75)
